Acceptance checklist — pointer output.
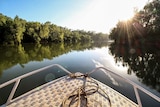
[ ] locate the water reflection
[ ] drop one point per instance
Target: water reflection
(80, 57)
(22, 54)
(142, 58)
(112, 80)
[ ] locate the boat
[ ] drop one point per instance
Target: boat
(73, 90)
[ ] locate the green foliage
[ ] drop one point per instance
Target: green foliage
(149, 17)
(17, 31)
(44, 31)
(32, 32)
(137, 43)
(143, 27)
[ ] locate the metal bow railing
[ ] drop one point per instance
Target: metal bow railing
(18, 79)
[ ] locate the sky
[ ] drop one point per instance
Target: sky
(88, 15)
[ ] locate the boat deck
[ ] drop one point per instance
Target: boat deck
(57, 92)
(73, 90)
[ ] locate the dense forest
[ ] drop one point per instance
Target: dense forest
(143, 27)
(18, 31)
(137, 44)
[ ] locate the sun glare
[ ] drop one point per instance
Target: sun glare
(102, 15)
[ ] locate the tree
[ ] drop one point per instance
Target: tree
(18, 29)
(32, 32)
(3, 20)
(149, 17)
(44, 31)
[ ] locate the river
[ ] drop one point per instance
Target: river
(80, 57)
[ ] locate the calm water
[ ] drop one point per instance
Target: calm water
(15, 61)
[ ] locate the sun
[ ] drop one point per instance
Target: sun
(121, 10)
(102, 15)
(124, 16)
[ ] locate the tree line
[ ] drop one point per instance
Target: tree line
(137, 44)
(17, 31)
(144, 27)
